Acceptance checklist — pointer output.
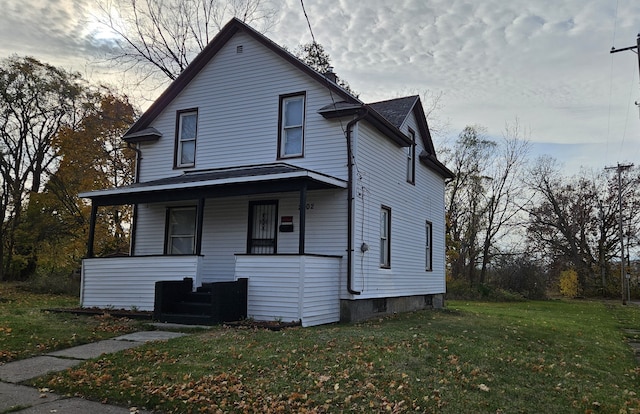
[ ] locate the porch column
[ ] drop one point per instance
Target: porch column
(199, 221)
(92, 229)
(303, 212)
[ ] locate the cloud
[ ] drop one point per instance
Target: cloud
(546, 62)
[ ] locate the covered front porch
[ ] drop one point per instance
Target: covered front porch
(291, 277)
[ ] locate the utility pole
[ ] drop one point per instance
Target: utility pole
(635, 49)
(623, 275)
(631, 48)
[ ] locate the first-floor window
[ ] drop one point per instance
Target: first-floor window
(181, 230)
(385, 237)
(427, 246)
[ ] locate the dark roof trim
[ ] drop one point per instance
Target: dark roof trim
(223, 182)
(432, 162)
(200, 61)
(146, 135)
(341, 109)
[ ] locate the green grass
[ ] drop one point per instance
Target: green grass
(25, 330)
(527, 357)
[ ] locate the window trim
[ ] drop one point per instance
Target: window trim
(167, 230)
(177, 151)
(411, 158)
(385, 240)
(428, 246)
(281, 126)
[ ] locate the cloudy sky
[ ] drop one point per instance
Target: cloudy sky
(543, 62)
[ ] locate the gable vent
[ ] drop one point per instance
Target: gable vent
(239, 49)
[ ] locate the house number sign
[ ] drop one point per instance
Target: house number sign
(309, 206)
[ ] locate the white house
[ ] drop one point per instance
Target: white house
(252, 165)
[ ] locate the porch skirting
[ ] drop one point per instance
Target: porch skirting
(287, 288)
(129, 282)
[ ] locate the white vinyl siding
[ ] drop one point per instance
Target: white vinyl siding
(225, 228)
(291, 287)
(238, 124)
(129, 282)
(382, 182)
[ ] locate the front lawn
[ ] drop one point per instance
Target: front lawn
(528, 357)
(25, 330)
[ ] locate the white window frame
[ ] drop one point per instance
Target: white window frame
(181, 141)
(171, 235)
(285, 128)
(428, 246)
(385, 237)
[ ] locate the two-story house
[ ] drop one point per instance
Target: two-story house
(253, 165)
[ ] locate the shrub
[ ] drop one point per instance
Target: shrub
(569, 285)
(53, 282)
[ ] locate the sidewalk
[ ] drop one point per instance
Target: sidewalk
(17, 398)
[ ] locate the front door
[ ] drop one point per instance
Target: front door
(263, 217)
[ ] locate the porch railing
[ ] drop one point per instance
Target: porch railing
(288, 288)
(129, 282)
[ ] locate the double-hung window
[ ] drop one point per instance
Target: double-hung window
(291, 134)
(411, 158)
(187, 130)
(385, 237)
(428, 253)
(181, 230)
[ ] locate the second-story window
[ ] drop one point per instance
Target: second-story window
(291, 134)
(187, 130)
(411, 158)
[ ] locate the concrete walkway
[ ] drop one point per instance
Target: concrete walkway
(17, 398)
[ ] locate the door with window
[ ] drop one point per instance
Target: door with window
(262, 227)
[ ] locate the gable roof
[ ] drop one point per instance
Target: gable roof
(387, 116)
(202, 59)
(395, 110)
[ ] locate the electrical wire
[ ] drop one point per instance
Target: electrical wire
(613, 42)
(313, 38)
(626, 121)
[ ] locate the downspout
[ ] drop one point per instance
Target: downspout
(350, 200)
(134, 219)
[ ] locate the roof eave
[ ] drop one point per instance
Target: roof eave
(432, 162)
(203, 58)
(387, 128)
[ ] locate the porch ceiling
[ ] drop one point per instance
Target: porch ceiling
(217, 183)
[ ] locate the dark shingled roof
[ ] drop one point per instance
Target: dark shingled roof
(395, 110)
(258, 170)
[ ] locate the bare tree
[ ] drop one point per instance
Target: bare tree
(468, 161)
(161, 37)
(505, 191)
(484, 198)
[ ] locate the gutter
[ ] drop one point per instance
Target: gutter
(362, 113)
